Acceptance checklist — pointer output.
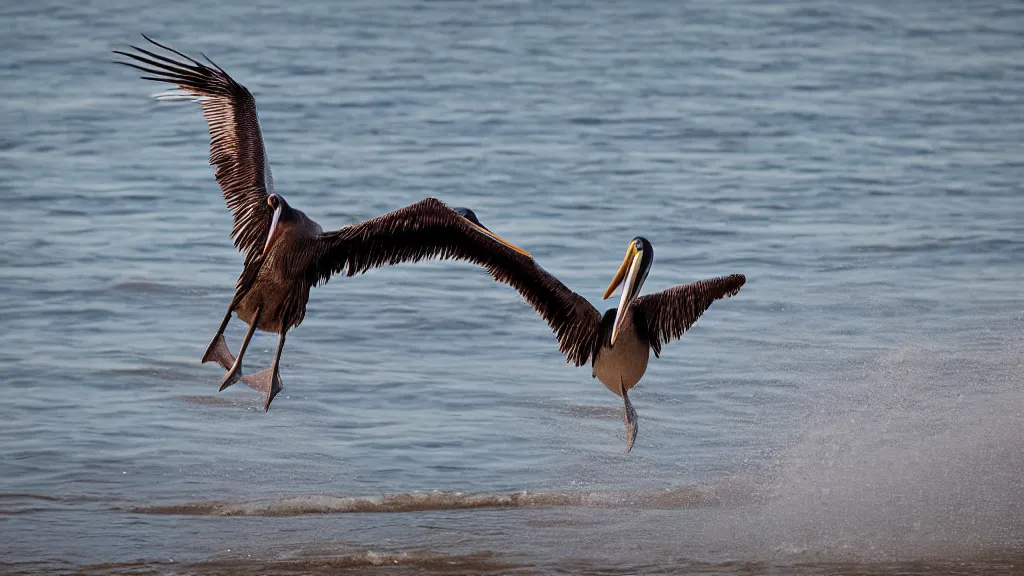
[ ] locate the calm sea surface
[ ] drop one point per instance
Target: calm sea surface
(858, 407)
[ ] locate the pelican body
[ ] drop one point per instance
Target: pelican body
(621, 358)
(620, 367)
(286, 252)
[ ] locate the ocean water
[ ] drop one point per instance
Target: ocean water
(856, 408)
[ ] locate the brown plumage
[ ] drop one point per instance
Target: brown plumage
(286, 252)
(236, 142)
(425, 230)
(670, 313)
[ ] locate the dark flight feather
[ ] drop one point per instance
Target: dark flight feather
(670, 313)
(430, 229)
(236, 142)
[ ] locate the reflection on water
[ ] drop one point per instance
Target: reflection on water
(855, 409)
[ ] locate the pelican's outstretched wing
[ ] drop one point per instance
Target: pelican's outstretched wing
(236, 143)
(430, 229)
(670, 313)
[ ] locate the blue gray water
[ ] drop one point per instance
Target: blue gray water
(858, 406)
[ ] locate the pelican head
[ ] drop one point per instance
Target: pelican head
(634, 269)
(282, 213)
(471, 216)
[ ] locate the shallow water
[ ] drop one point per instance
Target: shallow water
(856, 408)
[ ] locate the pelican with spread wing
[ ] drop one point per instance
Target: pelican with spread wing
(617, 344)
(286, 252)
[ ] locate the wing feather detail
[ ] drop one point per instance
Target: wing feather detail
(430, 229)
(670, 313)
(236, 141)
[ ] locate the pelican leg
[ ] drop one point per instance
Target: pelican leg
(218, 348)
(235, 371)
(630, 418)
(269, 380)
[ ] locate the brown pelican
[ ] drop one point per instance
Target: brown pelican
(286, 252)
(617, 344)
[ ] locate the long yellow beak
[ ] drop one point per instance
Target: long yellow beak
(631, 253)
(627, 271)
(502, 240)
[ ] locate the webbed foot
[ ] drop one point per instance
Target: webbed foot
(234, 375)
(268, 382)
(218, 352)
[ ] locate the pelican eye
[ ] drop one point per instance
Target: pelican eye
(639, 247)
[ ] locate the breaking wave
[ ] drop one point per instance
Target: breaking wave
(395, 563)
(687, 497)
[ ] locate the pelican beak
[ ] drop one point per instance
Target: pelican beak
(273, 228)
(481, 228)
(470, 216)
(629, 271)
(630, 260)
